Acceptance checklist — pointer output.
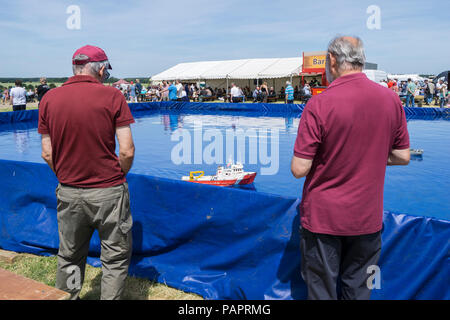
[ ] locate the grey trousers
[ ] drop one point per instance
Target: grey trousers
(325, 258)
(80, 212)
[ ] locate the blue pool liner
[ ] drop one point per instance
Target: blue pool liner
(221, 243)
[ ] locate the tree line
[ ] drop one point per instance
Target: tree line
(64, 79)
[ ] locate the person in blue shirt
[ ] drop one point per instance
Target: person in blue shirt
(410, 91)
(289, 92)
(172, 92)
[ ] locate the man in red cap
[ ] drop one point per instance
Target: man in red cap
(79, 122)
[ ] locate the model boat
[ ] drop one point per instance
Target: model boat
(416, 152)
(232, 174)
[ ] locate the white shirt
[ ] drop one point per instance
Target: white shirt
(235, 92)
(179, 89)
(19, 96)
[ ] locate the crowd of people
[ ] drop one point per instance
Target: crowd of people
(178, 91)
(410, 90)
(18, 96)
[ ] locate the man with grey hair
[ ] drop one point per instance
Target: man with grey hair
(346, 137)
(79, 123)
(42, 89)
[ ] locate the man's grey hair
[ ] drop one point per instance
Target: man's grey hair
(288, 83)
(91, 67)
(349, 56)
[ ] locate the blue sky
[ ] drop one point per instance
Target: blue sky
(142, 38)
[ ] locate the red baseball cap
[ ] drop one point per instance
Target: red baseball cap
(93, 53)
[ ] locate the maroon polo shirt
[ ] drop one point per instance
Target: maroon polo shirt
(81, 117)
(348, 130)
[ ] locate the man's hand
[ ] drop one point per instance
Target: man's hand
(47, 150)
(126, 148)
(300, 167)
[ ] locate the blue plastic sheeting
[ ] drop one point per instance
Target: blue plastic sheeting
(264, 109)
(203, 106)
(19, 116)
(258, 107)
(221, 243)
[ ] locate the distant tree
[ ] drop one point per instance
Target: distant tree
(52, 85)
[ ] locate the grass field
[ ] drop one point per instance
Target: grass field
(43, 269)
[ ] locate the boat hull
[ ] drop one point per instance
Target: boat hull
(247, 179)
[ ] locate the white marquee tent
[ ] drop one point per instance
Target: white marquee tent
(233, 69)
(405, 77)
(221, 73)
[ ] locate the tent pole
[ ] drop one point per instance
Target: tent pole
(227, 91)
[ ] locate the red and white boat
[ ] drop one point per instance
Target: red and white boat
(232, 174)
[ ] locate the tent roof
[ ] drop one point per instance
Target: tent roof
(121, 81)
(233, 69)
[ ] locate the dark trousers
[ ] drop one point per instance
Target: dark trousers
(327, 258)
(19, 107)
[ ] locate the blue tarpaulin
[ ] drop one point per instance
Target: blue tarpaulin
(266, 109)
(221, 243)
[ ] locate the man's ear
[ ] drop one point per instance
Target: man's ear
(332, 61)
(101, 73)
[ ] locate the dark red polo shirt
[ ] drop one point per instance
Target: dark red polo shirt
(81, 117)
(348, 130)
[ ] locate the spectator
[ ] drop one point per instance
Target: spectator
(173, 92)
(164, 91)
(306, 92)
(192, 89)
(235, 93)
(410, 91)
(138, 90)
(187, 91)
(5, 96)
(384, 84)
(429, 91)
(132, 91)
(289, 92)
(341, 210)
(272, 92)
(184, 96)
(264, 92)
(30, 95)
(394, 87)
(42, 89)
(418, 90)
(282, 96)
(257, 97)
(78, 123)
(403, 88)
(179, 87)
(442, 87)
(390, 83)
(18, 97)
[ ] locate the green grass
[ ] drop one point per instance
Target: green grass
(8, 107)
(43, 269)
